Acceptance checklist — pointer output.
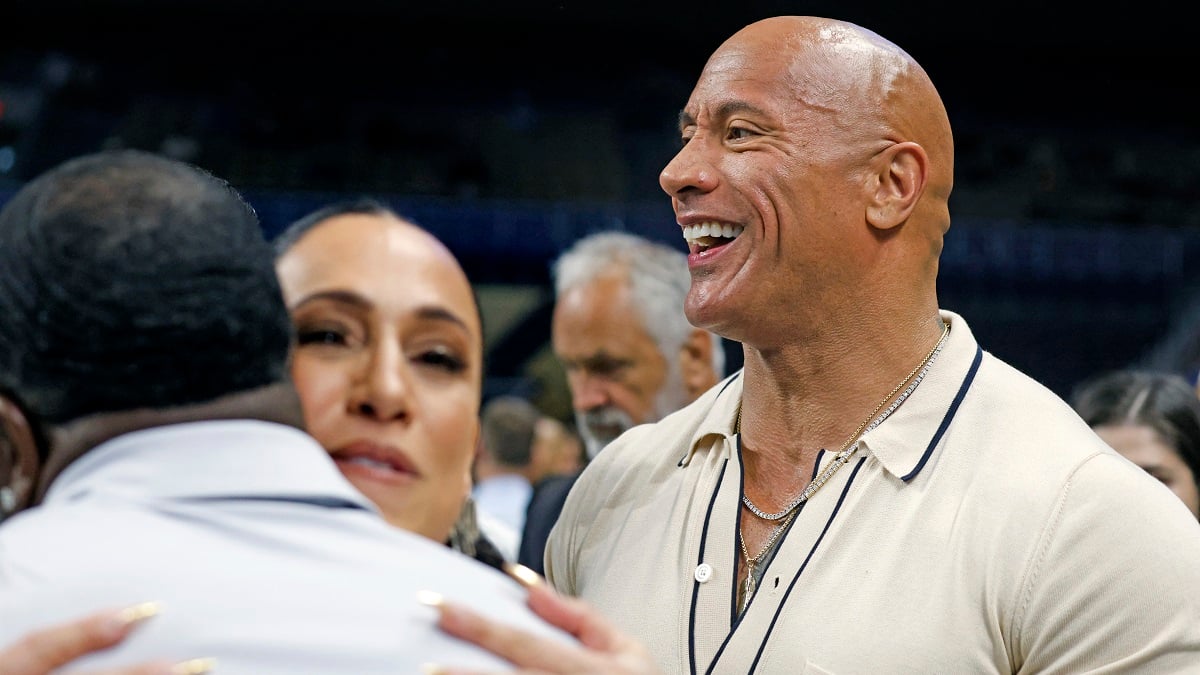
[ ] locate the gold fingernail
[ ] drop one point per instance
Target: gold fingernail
(525, 576)
(138, 613)
(194, 667)
(430, 598)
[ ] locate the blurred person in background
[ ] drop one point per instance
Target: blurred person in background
(629, 353)
(507, 462)
(1153, 420)
(619, 331)
(562, 445)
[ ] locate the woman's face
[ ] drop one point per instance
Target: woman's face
(388, 363)
(1145, 447)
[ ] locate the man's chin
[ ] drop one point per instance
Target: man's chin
(595, 443)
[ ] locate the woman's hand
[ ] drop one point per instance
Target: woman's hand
(602, 649)
(42, 652)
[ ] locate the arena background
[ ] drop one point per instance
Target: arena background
(511, 129)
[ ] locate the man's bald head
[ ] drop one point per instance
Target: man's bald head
(828, 152)
(874, 92)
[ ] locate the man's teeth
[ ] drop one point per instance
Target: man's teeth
(693, 234)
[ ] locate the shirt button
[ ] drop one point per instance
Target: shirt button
(704, 572)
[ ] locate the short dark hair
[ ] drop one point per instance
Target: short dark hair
(129, 280)
(1162, 401)
(507, 426)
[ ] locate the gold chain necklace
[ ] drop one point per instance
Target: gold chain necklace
(847, 449)
(850, 446)
(751, 585)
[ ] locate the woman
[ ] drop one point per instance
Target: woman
(389, 366)
(388, 363)
(1153, 419)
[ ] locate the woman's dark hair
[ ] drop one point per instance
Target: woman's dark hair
(298, 228)
(1165, 402)
(294, 232)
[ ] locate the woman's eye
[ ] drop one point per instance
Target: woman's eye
(320, 337)
(443, 359)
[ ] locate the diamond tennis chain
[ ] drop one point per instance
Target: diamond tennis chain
(851, 445)
(750, 585)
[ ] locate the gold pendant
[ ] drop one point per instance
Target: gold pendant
(749, 586)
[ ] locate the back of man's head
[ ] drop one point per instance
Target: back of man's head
(131, 281)
(508, 424)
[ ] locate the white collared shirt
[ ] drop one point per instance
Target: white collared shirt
(503, 498)
(261, 554)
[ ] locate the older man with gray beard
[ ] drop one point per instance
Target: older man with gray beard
(630, 355)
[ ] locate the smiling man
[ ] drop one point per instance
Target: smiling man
(872, 492)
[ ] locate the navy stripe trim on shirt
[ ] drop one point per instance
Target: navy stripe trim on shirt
(783, 602)
(941, 430)
(315, 500)
(837, 507)
(734, 618)
(737, 554)
(696, 584)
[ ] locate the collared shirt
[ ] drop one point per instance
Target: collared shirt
(506, 540)
(982, 528)
(504, 497)
(261, 554)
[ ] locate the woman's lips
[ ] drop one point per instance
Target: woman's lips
(375, 462)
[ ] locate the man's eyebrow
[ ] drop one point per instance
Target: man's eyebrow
(722, 111)
(731, 108)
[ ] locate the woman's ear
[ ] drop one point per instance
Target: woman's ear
(19, 458)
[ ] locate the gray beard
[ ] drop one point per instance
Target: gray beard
(600, 426)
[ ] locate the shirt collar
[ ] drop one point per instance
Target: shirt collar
(904, 442)
(722, 416)
(211, 459)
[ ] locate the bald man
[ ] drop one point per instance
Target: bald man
(872, 492)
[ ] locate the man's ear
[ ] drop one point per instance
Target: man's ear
(19, 458)
(696, 363)
(898, 181)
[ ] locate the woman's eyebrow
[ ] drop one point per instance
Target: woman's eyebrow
(339, 296)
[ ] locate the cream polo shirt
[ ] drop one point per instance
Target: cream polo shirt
(982, 528)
